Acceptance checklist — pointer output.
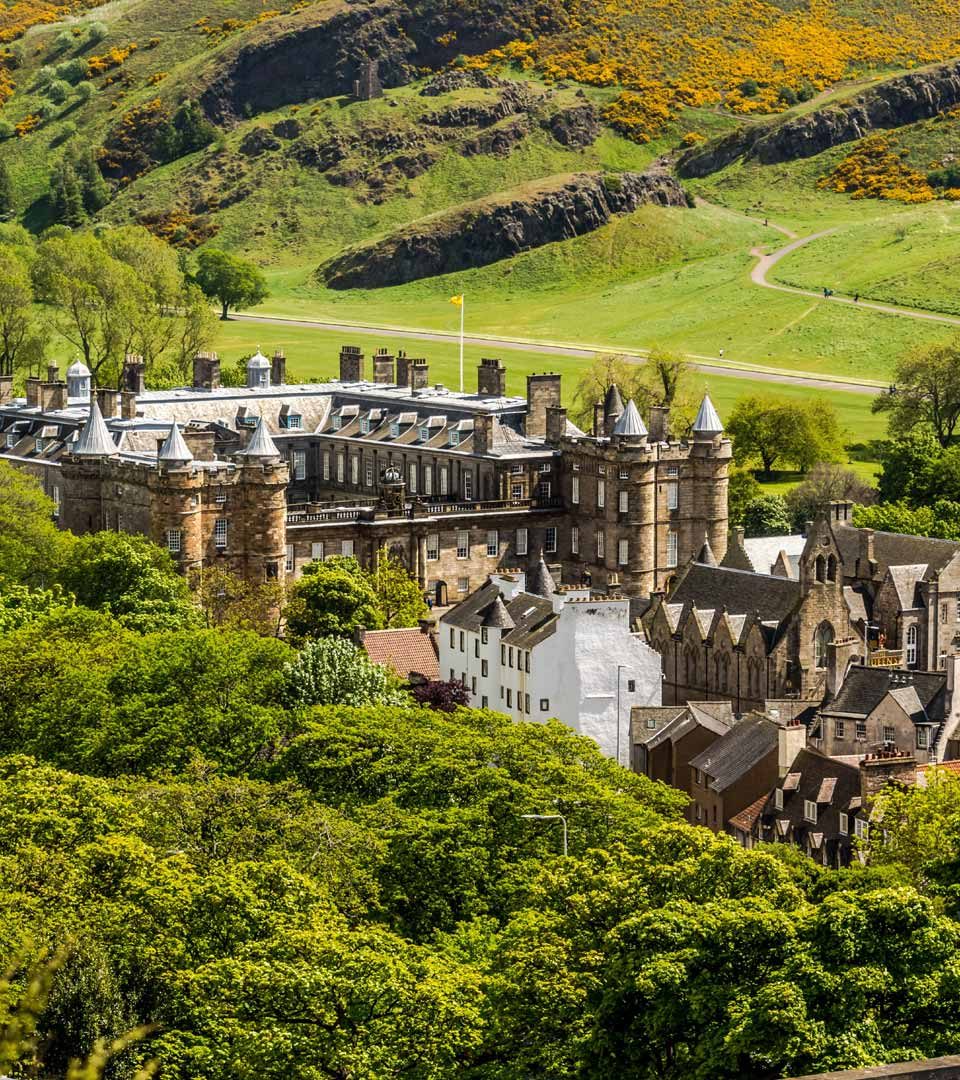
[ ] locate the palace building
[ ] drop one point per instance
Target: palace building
(266, 477)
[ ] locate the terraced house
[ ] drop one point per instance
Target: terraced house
(457, 485)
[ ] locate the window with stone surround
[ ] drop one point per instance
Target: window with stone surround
(623, 552)
(412, 478)
(463, 544)
(355, 470)
(316, 551)
(575, 540)
(600, 544)
(468, 485)
(601, 494)
(369, 473)
(428, 479)
(844, 827)
(923, 738)
(624, 497)
(575, 489)
(326, 464)
(174, 541)
(810, 811)
(347, 548)
(340, 468)
(289, 562)
(521, 544)
(671, 549)
(673, 496)
(493, 543)
(433, 547)
(220, 533)
(550, 540)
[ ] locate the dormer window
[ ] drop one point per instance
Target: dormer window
(778, 798)
(394, 429)
(454, 437)
(424, 434)
(365, 425)
(38, 443)
(11, 439)
(337, 422)
(292, 421)
(810, 811)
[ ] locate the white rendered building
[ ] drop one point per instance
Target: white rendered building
(527, 649)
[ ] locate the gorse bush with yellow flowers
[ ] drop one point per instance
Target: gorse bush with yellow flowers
(878, 169)
(752, 56)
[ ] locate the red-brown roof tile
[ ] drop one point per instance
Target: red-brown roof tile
(407, 651)
(747, 817)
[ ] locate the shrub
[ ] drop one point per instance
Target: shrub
(58, 90)
(7, 130)
(63, 41)
(84, 92)
(786, 96)
(97, 31)
(749, 88)
(72, 71)
(45, 75)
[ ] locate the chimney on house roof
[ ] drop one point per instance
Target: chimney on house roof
(886, 766)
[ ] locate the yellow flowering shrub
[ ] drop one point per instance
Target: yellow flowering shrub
(876, 169)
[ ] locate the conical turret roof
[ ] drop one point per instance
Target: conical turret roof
(706, 555)
(708, 421)
(174, 450)
(95, 440)
(612, 401)
(497, 616)
(261, 445)
(630, 422)
(539, 581)
(258, 361)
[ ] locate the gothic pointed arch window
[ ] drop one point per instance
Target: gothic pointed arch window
(821, 568)
(832, 568)
(821, 644)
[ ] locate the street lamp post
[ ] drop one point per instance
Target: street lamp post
(550, 817)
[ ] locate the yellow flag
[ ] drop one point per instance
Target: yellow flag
(458, 300)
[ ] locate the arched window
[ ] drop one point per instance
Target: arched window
(911, 657)
(821, 568)
(832, 568)
(821, 643)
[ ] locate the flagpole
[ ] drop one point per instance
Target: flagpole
(462, 299)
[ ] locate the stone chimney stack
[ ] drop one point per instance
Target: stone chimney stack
(659, 424)
(403, 368)
(791, 739)
(482, 433)
(278, 369)
(597, 419)
(491, 378)
(419, 374)
(128, 405)
(351, 364)
(886, 767)
(383, 372)
(206, 371)
(132, 378)
(841, 510)
(556, 424)
(53, 373)
(53, 394)
(109, 401)
(866, 559)
(33, 391)
(542, 392)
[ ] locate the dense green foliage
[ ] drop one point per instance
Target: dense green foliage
(769, 430)
(926, 390)
(766, 515)
(231, 281)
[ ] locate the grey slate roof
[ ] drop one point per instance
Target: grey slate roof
(532, 616)
(539, 581)
(895, 549)
(865, 687)
(94, 439)
(630, 423)
(706, 556)
(612, 401)
(762, 551)
(497, 616)
(905, 581)
(739, 591)
(736, 753)
(708, 421)
(174, 450)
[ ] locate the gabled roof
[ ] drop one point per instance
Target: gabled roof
(174, 450)
(905, 581)
(407, 651)
(708, 421)
(747, 817)
(762, 551)
(94, 439)
(630, 423)
(735, 753)
(832, 784)
(865, 687)
(714, 716)
(895, 549)
(908, 700)
(533, 617)
(739, 591)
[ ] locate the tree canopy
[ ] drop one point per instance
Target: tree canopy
(231, 281)
(925, 390)
(769, 430)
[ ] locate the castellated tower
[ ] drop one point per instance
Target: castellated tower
(710, 456)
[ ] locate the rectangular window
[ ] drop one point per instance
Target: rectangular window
(544, 489)
(424, 434)
(550, 540)
(364, 425)
(484, 669)
(347, 548)
(545, 466)
(575, 489)
(521, 544)
(671, 549)
(11, 439)
(221, 495)
(38, 445)
(544, 704)
(844, 826)
(453, 643)
(493, 543)
(526, 662)
(673, 470)
(624, 474)
(484, 634)
(484, 701)
(839, 728)
(509, 698)
(355, 470)
(631, 686)
(697, 776)
(923, 738)
(463, 584)
(454, 437)
(337, 422)
(516, 469)
(369, 473)
(943, 612)
(809, 811)
(888, 733)
(444, 480)
(463, 545)
(412, 478)
(316, 551)
(503, 656)
(394, 429)
(326, 464)
(510, 656)
(778, 798)
(672, 496)
(220, 532)
(473, 680)
(433, 547)
(468, 485)
(516, 491)
(476, 648)
(463, 646)
(294, 421)
(651, 722)
(289, 562)
(861, 731)
(861, 828)
(624, 501)
(174, 540)
(428, 479)
(601, 494)
(56, 500)
(575, 540)
(340, 468)
(623, 552)
(600, 544)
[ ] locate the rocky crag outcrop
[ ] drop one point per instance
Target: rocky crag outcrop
(495, 228)
(903, 100)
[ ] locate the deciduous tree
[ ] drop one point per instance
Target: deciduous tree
(231, 281)
(926, 389)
